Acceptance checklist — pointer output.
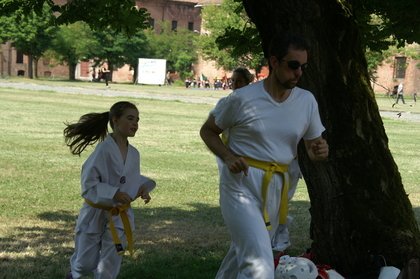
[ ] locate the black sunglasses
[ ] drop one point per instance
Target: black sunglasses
(294, 64)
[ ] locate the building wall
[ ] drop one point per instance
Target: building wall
(386, 77)
(10, 67)
(183, 12)
(51, 69)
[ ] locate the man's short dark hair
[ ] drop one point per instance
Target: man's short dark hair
(280, 44)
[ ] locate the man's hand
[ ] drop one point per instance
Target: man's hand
(317, 149)
(237, 164)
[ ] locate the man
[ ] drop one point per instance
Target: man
(400, 94)
(266, 121)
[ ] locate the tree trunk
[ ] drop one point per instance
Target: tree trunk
(111, 70)
(30, 66)
(358, 204)
(135, 69)
(35, 63)
(72, 71)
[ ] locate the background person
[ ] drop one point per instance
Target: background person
(110, 181)
(106, 75)
(266, 121)
(400, 94)
(241, 77)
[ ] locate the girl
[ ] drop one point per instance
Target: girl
(110, 181)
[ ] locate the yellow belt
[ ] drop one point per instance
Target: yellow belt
(122, 211)
(270, 168)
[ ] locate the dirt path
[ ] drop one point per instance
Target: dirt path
(407, 116)
(109, 92)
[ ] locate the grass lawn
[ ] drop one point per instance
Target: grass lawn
(181, 229)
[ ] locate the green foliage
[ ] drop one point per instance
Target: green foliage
(118, 48)
(232, 40)
(74, 42)
(120, 15)
(382, 24)
(29, 32)
(398, 19)
(178, 47)
(373, 59)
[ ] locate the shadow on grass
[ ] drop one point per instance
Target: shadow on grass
(170, 243)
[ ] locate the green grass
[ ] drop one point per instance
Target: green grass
(180, 233)
(386, 102)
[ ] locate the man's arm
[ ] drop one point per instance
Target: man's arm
(210, 132)
(317, 149)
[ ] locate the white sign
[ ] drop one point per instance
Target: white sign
(151, 71)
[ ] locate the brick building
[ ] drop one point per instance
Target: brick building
(187, 14)
(399, 69)
(179, 13)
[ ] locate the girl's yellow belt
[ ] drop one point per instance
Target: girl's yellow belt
(270, 168)
(122, 211)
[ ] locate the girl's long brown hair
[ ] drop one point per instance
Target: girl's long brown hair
(92, 127)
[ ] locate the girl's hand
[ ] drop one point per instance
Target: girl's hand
(122, 197)
(144, 195)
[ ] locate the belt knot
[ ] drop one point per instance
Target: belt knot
(122, 212)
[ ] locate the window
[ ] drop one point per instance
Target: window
(174, 25)
(19, 57)
(191, 26)
(400, 66)
(152, 23)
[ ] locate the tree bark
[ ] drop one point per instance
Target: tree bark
(72, 71)
(30, 66)
(35, 71)
(359, 207)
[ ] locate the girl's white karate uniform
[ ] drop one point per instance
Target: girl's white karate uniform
(103, 174)
(262, 129)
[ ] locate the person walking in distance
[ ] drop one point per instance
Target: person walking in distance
(400, 94)
(106, 75)
(110, 181)
(266, 121)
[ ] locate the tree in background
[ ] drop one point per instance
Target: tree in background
(73, 43)
(119, 48)
(136, 46)
(103, 37)
(30, 33)
(224, 22)
(120, 15)
(359, 207)
(178, 47)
